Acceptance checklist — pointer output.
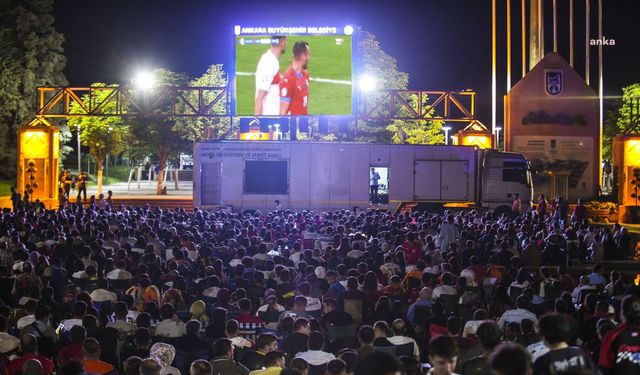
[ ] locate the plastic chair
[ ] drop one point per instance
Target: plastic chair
(346, 334)
(405, 349)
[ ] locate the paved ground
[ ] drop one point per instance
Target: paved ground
(122, 189)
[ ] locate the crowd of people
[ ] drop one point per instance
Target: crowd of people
(98, 289)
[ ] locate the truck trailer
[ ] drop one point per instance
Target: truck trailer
(339, 175)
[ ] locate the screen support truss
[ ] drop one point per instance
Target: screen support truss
(212, 102)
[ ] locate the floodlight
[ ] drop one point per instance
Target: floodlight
(367, 83)
(144, 80)
(348, 30)
(446, 134)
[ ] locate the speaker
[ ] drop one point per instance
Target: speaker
(303, 124)
(323, 125)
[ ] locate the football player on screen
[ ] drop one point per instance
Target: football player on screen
(268, 78)
(294, 86)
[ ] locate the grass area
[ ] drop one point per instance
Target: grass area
(116, 174)
(5, 187)
(330, 59)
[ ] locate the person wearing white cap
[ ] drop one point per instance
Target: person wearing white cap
(271, 310)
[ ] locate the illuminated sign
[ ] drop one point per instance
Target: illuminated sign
(295, 30)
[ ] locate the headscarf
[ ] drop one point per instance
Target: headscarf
(198, 311)
(164, 353)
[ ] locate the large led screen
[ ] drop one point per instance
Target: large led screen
(297, 75)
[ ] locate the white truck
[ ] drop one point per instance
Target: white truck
(333, 175)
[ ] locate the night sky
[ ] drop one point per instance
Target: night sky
(442, 44)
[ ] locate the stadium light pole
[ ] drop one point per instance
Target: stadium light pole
(498, 129)
(446, 134)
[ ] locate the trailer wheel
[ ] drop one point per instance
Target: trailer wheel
(501, 210)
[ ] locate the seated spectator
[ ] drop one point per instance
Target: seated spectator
(470, 327)
(29, 350)
(529, 335)
(91, 358)
(192, 341)
(270, 309)
(255, 359)
(382, 331)
(354, 301)
(300, 365)
(621, 346)
(170, 326)
(120, 323)
(8, 343)
(596, 278)
(315, 356)
(424, 300)
(467, 347)
(510, 359)
(231, 331)
(489, 336)
(200, 367)
(519, 313)
(102, 293)
(333, 316)
(445, 288)
(298, 341)
(139, 346)
(29, 314)
(579, 290)
(273, 363)
(222, 362)
(165, 354)
(555, 329)
(248, 324)
(120, 272)
(400, 339)
(336, 367)
(150, 366)
(299, 310)
(443, 355)
(131, 366)
(74, 350)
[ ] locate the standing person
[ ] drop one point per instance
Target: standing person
(542, 206)
(294, 87)
(62, 199)
(516, 205)
(373, 185)
(267, 101)
(579, 212)
(81, 185)
(15, 198)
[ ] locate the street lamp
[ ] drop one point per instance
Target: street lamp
(497, 129)
(367, 83)
(446, 134)
(144, 80)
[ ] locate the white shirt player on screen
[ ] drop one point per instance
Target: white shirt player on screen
(268, 79)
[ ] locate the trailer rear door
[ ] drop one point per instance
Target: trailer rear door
(455, 186)
(426, 180)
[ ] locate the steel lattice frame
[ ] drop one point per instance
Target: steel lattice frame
(186, 101)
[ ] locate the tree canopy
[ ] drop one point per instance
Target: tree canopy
(31, 55)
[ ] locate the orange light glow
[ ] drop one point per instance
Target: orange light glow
(637, 280)
(254, 136)
(632, 152)
(481, 141)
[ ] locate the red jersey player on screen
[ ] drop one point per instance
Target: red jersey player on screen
(294, 85)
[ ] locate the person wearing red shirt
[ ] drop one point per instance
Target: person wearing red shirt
(294, 86)
(248, 324)
(73, 351)
(29, 348)
(412, 249)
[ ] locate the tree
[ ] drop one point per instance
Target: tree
(195, 129)
(164, 138)
(103, 135)
(31, 55)
(618, 117)
(377, 63)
